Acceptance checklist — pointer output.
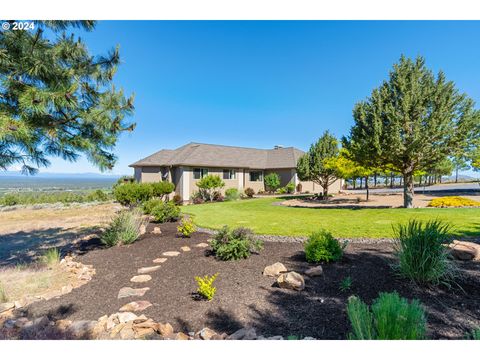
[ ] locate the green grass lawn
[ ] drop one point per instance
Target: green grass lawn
(265, 218)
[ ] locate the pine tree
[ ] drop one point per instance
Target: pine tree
(412, 122)
(56, 99)
(314, 165)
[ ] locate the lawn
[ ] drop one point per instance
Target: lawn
(266, 218)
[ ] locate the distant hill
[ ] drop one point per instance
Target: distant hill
(60, 175)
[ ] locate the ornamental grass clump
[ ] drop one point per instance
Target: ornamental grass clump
(235, 244)
(205, 286)
(390, 317)
(322, 246)
(422, 253)
(50, 257)
(124, 228)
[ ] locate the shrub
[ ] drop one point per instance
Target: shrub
(166, 212)
(10, 200)
(98, 195)
(177, 200)
(235, 244)
(208, 185)
(131, 194)
(422, 252)
(186, 227)
(282, 190)
(345, 284)
(150, 204)
(205, 286)
(452, 201)
(473, 335)
(272, 182)
(290, 187)
(232, 194)
(162, 188)
(217, 196)
(197, 198)
(50, 257)
(124, 228)
(322, 246)
(249, 192)
(391, 318)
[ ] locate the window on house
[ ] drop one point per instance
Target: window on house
(199, 173)
(256, 175)
(228, 174)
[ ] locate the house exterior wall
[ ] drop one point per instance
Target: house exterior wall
(286, 175)
(229, 183)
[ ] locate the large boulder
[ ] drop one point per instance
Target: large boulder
(274, 270)
(465, 250)
(314, 271)
(291, 280)
(243, 334)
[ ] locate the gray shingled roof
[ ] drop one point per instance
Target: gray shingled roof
(195, 154)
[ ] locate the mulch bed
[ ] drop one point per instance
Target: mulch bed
(247, 298)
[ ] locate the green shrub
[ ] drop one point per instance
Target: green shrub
(166, 212)
(177, 200)
(10, 200)
(290, 187)
(234, 244)
(205, 286)
(423, 256)
(162, 188)
(472, 335)
(391, 318)
(322, 246)
(131, 194)
(50, 257)
(124, 228)
(345, 284)
(272, 182)
(282, 190)
(209, 185)
(97, 195)
(150, 204)
(232, 194)
(186, 227)
(249, 192)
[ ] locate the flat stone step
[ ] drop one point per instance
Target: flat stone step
(135, 306)
(141, 278)
(148, 269)
(202, 245)
(171, 253)
(185, 248)
(159, 260)
(128, 291)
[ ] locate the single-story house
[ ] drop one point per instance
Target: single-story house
(239, 167)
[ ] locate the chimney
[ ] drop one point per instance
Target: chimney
(278, 147)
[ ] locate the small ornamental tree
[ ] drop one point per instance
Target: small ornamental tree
(315, 164)
(272, 182)
(413, 121)
(209, 185)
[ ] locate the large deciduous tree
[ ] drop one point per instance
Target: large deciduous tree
(413, 121)
(56, 99)
(315, 164)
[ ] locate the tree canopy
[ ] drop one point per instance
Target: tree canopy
(56, 99)
(412, 122)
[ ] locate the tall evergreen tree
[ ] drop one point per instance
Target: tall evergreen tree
(56, 99)
(315, 164)
(412, 122)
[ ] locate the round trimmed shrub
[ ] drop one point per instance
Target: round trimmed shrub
(232, 194)
(322, 246)
(166, 212)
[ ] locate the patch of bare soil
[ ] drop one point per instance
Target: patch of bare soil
(247, 298)
(376, 201)
(25, 233)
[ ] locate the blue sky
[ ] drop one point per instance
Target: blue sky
(262, 83)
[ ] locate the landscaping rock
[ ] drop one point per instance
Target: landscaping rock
(185, 248)
(202, 245)
(143, 229)
(6, 306)
(124, 317)
(222, 336)
(148, 269)
(171, 253)
(127, 333)
(67, 289)
(314, 271)
(182, 336)
(277, 337)
(291, 280)
(143, 332)
(465, 250)
(156, 230)
(135, 306)
(128, 291)
(206, 334)
(159, 260)
(82, 328)
(141, 278)
(275, 269)
(116, 330)
(166, 330)
(243, 334)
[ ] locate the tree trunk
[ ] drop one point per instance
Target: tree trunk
(420, 181)
(366, 186)
(456, 174)
(325, 192)
(408, 190)
(361, 182)
(354, 183)
(392, 180)
(375, 180)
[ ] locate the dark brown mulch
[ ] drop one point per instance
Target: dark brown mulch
(246, 298)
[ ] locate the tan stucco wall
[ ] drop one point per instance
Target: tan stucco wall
(286, 175)
(229, 183)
